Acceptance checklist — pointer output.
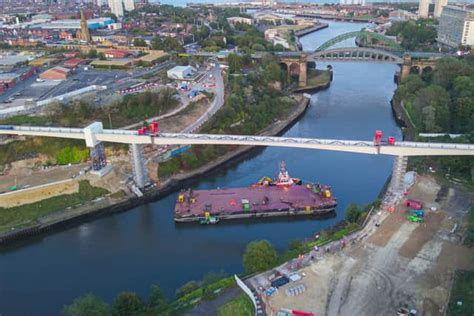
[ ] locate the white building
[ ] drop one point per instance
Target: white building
(352, 2)
(438, 9)
(423, 8)
(116, 7)
(180, 72)
(238, 19)
(456, 26)
(129, 5)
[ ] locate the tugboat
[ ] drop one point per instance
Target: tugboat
(284, 178)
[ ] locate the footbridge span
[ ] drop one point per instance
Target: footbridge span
(94, 135)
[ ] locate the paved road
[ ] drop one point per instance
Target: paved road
(216, 104)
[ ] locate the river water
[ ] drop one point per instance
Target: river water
(141, 247)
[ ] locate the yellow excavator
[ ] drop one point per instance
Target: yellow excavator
(265, 181)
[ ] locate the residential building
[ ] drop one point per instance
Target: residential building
(438, 9)
(423, 8)
(129, 5)
(116, 7)
(456, 26)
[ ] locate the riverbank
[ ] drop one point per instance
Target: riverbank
(109, 205)
(317, 80)
(311, 29)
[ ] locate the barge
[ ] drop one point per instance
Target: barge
(284, 196)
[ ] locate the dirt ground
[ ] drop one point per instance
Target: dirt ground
(35, 194)
(180, 121)
(397, 264)
(23, 173)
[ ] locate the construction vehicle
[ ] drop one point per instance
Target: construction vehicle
(151, 130)
(415, 219)
(417, 213)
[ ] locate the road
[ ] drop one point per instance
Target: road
(216, 104)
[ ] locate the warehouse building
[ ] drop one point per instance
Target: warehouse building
(56, 73)
(181, 72)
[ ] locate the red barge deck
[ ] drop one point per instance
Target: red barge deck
(255, 201)
(284, 196)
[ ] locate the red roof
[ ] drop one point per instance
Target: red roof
(118, 53)
(70, 54)
(73, 62)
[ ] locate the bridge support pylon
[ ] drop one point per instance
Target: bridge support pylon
(140, 174)
(97, 152)
(398, 174)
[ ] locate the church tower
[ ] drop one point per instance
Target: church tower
(84, 35)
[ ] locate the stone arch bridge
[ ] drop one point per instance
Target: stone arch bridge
(296, 63)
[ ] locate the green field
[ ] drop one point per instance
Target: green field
(463, 292)
(25, 215)
(241, 306)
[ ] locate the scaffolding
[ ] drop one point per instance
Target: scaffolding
(140, 175)
(97, 154)
(398, 174)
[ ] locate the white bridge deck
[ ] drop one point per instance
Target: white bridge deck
(400, 148)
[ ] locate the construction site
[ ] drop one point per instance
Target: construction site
(393, 265)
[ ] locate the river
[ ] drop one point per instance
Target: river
(133, 250)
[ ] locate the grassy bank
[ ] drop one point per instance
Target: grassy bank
(240, 306)
(462, 292)
(21, 216)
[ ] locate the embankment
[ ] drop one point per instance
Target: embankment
(311, 29)
(403, 120)
(109, 206)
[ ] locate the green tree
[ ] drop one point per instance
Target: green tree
(272, 72)
(187, 288)
(447, 70)
(157, 303)
(128, 303)
(437, 99)
(140, 42)
(235, 63)
(89, 305)
(259, 256)
(92, 53)
(352, 213)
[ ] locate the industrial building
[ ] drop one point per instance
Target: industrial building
(56, 73)
(180, 72)
(456, 26)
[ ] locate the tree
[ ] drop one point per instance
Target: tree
(89, 305)
(187, 288)
(438, 98)
(235, 63)
(110, 15)
(447, 70)
(140, 42)
(259, 256)
(92, 53)
(128, 303)
(352, 213)
(272, 72)
(157, 301)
